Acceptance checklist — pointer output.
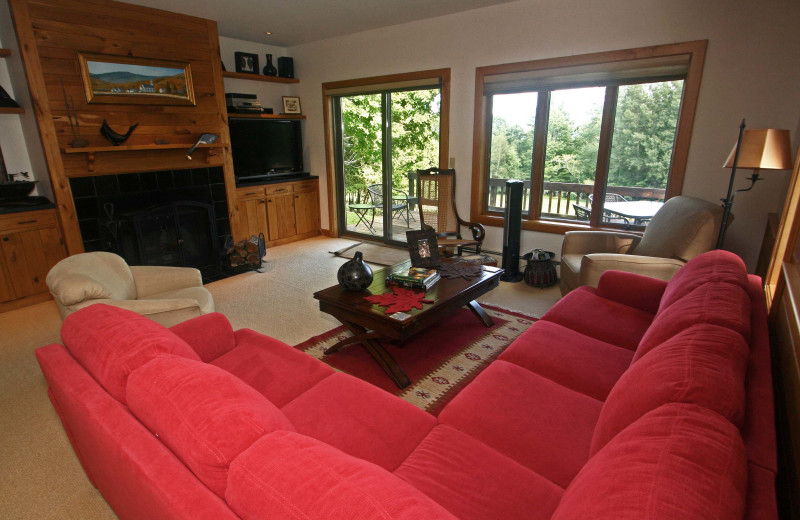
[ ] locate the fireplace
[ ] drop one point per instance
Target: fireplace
(176, 218)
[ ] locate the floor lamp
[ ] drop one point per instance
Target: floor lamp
(766, 149)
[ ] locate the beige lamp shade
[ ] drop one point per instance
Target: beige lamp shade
(763, 149)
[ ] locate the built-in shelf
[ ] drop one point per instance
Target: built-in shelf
(234, 115)
(12, 110)
(5, 52)
(258, 77)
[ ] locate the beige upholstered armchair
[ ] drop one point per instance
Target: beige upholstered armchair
(682, 229)
(167, 295)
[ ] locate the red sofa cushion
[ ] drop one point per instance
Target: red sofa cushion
(718, 303)
(703, 365)
(288, 475)
(475, 482)
(634, 290)
(206, 416)
(360, 419)
(679, 461)
(542, 425)
(572, 359)
(713, 266)
(582, 310)
(111, 343)
(210, 335)
(279, 372)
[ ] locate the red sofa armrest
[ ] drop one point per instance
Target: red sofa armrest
(633, 290)
(210, 335)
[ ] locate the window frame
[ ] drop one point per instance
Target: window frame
(694, 51)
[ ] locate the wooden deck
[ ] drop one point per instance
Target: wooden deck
(399, 227)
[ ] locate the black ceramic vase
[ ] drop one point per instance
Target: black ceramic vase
(269, 68)
(355, 275)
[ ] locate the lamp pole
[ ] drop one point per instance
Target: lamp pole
(727, 202)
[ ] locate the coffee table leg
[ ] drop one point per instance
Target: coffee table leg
(376, 350)
(476, 308)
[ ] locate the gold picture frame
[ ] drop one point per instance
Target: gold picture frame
(135, 81)
(291, 105)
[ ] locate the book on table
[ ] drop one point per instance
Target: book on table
(414, 277)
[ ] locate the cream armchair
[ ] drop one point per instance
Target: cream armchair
(167, 295)
(684, 228)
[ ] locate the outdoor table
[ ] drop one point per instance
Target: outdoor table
(640, 211)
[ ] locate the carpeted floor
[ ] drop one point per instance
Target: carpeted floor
(40, 477)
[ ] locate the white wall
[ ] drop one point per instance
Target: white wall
(19, 137)
(751, 71)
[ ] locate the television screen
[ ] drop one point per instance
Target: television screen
(263, 147)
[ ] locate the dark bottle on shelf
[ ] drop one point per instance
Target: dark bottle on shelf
(269, 68)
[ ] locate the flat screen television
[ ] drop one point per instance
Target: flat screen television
(265, 148)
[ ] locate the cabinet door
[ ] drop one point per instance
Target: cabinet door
(280, 216)
(253, 217)
(6, 290)
(28, 256)
(306, 211)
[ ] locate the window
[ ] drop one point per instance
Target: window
(599, 139)
(381, 131)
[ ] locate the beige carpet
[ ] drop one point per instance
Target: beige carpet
(40, 477)
(373, 253)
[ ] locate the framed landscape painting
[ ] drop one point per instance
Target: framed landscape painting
(142, 81)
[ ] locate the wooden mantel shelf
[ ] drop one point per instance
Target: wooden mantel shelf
(92, 150)
(258, 77)
(5, 52)
(12, 110)
(135, 147)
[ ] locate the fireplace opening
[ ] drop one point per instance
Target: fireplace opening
(175, 218)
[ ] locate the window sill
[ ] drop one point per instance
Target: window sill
(551, 226)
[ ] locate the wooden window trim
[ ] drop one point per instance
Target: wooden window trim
(443, 76)
(696, 51)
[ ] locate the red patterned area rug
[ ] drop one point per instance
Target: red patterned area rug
(440, 360)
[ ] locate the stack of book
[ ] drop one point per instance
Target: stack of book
(414, 278)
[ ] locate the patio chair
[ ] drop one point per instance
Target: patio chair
(610, 217)
(582, 212)
(610, 197)
(684, 228)
(436, 191)
(399, 209)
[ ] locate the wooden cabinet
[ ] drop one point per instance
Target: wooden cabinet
(284, 212)
(30, 244)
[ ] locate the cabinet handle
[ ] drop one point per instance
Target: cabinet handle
(5, 239)
(252, 193)
(269, 200)
(262, 201)
(280, 190)
(27, 222)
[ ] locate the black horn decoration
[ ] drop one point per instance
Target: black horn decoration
(115, 138)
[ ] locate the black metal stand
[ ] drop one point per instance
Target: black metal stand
(727, 202)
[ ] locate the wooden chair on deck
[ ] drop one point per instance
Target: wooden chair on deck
(436, 191)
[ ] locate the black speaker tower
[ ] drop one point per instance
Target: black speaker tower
(511, 231)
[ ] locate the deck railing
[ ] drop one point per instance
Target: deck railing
(560, 196)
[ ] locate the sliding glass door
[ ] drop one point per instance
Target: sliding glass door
(381, 139)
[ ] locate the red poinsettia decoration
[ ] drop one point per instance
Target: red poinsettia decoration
(400, 300)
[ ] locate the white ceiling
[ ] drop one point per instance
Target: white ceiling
(293, 22)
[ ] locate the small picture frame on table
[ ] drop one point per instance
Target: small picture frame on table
(246, 62)
(423, 248)
(291, 105)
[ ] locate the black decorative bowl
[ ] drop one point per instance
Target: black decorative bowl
(16, 189)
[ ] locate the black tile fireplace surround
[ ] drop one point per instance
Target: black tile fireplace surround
(156, 218)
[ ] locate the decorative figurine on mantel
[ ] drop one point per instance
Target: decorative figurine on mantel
(113, 137)
(269, 68)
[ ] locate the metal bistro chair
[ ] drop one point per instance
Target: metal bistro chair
(398, 209)
(582, 212)
(436, 191)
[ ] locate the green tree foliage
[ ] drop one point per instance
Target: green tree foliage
(644, 135)
(415, 136)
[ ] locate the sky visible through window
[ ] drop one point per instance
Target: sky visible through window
(519, 109)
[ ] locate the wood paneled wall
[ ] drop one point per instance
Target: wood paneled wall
(52, 32)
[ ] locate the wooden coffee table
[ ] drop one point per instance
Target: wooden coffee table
(370, 325)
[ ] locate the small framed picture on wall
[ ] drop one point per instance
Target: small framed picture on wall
(291, 105)
(246, 62)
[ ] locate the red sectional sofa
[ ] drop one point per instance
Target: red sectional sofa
(638, 399)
